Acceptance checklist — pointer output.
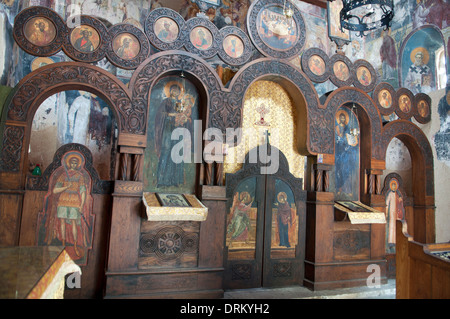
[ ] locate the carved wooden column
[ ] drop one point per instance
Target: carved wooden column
(374, 198)
(126, 210)
(319, 220)
(374, 181)
(322, 177)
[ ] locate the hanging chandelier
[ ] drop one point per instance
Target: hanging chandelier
(366, 15)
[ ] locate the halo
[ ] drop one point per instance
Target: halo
(426, 55)
(281, 195)
(244, 195)
(338, 115)
(37, 62)
(43, 20)
(394, 180)
(68, 157)
(169, 84)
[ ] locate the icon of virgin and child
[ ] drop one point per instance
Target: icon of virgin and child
(174, 111)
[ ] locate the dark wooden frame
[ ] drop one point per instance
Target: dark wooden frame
(217, 39)
(252, 17)
(419, 118)
(246, 54)
(61, 30)
(150, 21)
(385, 86)
(100, 52)
(403, 115)
(373, 75)
(305, 65)
(144, 44)
(341, 58)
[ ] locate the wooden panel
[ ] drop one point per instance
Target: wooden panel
(33, 204)
(190, 284)
(124, 235)
(212, 232)
(168, 244)
(420, 279)
(420, 274)
(351, 242)
(93, 274)
(10, 211)
(440, 283)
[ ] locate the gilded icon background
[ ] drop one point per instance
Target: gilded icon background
(363, 75)
(85, 38)
(404, 103)
(423, 108)
(126, 46)
(316, 65)
(233, 46)
(40, 31)
(341, 71)
(385, 98)
(166, 29)
(201, 38)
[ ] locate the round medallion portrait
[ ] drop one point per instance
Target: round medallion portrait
(233, 46)
(40, 31)
(385, 98)
(126, 46)
(404, 103)
(275, 30)
(85, 38)
(341, 71)
(363, 75)
(423, 108)
(316, 65)
(201, 38)
(166, 29)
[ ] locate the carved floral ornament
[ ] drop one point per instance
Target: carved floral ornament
(224, 104)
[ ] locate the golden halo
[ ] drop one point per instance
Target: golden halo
(44, 21)
(37, 62)
(426, 55)
(392, 182)
(281, 195)
(245, 198)
(170, 84)
(338, 115)
(69, 156)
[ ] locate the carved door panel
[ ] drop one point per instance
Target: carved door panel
(283, 253)
(265, 230)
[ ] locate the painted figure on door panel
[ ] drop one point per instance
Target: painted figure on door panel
(66, 218)
(239, 226)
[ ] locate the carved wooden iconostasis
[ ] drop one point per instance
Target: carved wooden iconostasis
(126, 152)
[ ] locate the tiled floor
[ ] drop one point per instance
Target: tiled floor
(386, 291)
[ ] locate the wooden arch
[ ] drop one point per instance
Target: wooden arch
(368, 116)
(422, 174)
(40, 84)
(164, 63)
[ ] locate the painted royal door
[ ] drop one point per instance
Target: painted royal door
(265, 228)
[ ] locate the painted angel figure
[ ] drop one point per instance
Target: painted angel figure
(239, 225)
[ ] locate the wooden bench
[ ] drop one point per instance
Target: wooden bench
(421, 273)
